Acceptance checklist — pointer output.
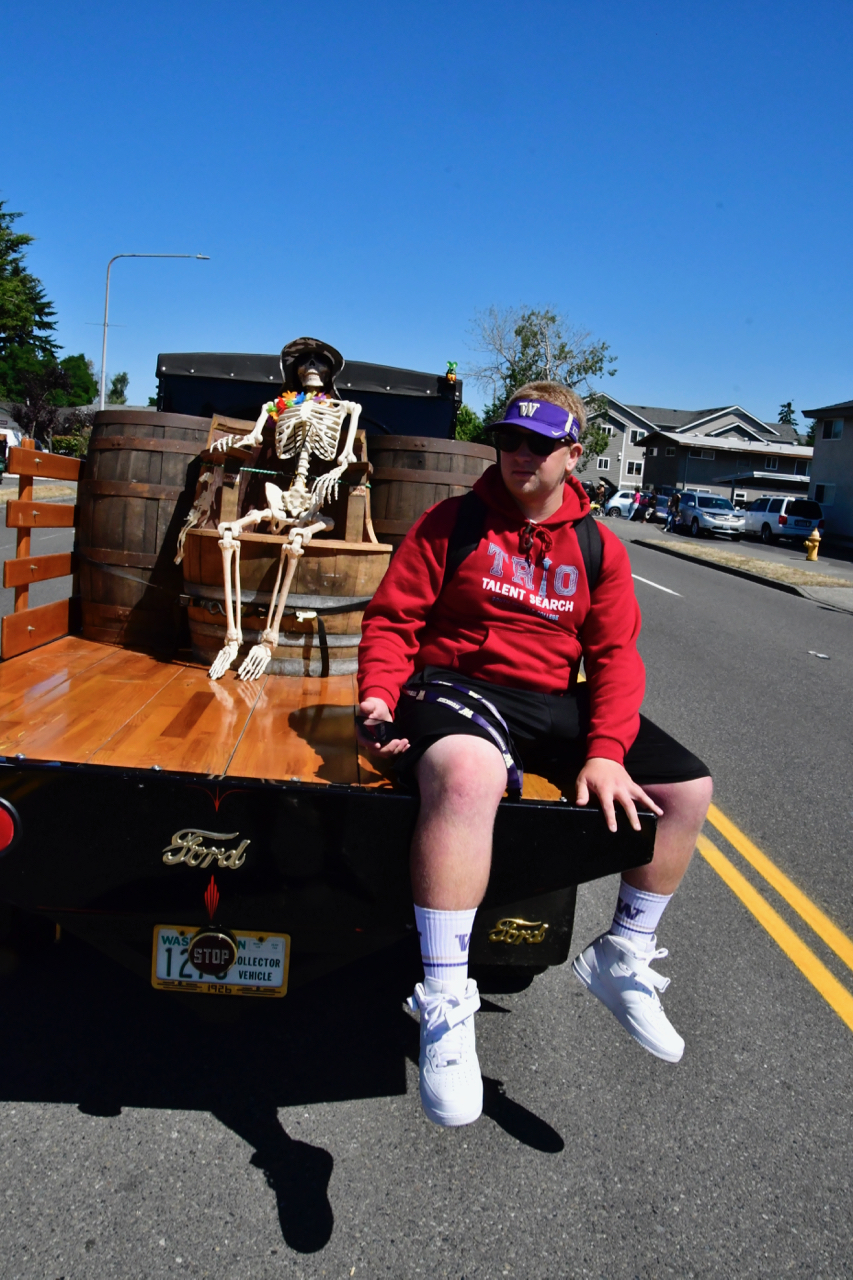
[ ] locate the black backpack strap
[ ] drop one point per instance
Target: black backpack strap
(589, 539)
(468, 530)
(466, 534)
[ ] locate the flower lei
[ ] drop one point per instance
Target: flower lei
(288, 399)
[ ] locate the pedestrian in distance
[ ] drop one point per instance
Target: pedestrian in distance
(672, 512)
(468, 663)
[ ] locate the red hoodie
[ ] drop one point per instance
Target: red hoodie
(518, 619)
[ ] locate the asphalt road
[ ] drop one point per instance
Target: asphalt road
(138, 1141)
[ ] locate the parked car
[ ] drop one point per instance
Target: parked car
(663, 493)
(621, 503)
(709, 513)
(772, 518)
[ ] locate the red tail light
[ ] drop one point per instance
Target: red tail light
(8, 827)
(783, 519)
(820, 524)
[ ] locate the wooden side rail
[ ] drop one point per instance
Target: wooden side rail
(22, 573)
(20, 632)
(28, 628)
(26, 460)
(39, 515)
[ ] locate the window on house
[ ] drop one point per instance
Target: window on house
(670, 451)
(651, 453)
(607, 429)
(801, 468)
(771, 464)
(701, 453)
(824, 494)
(635, 468)
(637, 435)
(603, 464)
(832, 428)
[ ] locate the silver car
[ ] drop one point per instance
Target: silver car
(709, 513)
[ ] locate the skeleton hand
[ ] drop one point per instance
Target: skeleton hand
(224, 659)
(255, 663)
(326, 487)
(239, 442)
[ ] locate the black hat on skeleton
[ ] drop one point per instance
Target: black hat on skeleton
(302, 349)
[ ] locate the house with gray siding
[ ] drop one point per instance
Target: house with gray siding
(832, 471)
(726, 450)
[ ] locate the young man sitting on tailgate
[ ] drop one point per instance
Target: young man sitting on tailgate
(506, 632)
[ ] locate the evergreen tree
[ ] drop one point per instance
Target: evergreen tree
(786, 414)
(26, 315)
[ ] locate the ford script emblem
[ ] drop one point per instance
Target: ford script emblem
(196, 849)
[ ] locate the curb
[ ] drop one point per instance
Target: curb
(787, 587)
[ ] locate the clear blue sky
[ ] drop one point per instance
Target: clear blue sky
(674, 177)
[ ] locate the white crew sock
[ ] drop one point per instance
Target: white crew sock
(445, 937)
(638, 914)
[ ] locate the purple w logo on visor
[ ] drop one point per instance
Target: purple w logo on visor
(544, 418)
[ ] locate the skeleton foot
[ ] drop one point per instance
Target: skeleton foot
(224, 659)
(255, 663)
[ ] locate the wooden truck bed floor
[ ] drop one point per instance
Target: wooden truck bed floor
(81, 702)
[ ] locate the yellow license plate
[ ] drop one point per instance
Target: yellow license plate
(261, 967)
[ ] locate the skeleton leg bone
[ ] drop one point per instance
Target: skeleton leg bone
(233, 632)
(259, 656)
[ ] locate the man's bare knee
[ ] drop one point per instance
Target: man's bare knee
(461, 773)
(684, 802)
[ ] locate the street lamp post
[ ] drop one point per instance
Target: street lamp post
(203, 257)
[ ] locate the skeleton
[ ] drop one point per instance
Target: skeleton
(313, 427)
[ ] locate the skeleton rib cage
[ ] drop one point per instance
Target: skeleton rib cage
(314, 424)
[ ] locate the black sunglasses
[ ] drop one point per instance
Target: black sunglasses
(510, 440)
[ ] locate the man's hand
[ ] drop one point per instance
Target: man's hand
(374, 710)
(609, 781)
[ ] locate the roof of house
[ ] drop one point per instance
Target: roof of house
(694, 440)
(843, 410)
(671, 419)
(681, 420)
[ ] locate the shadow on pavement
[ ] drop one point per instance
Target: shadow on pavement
(82, 1031)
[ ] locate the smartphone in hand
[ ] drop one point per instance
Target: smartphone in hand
(381, 732)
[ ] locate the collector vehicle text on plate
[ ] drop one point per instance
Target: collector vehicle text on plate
(261, 967)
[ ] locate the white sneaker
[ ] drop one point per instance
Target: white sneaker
(617, 971)
(451, 1084)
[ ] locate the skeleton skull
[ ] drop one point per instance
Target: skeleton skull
(313, 373)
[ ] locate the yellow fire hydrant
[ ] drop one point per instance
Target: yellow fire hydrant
(811, 544)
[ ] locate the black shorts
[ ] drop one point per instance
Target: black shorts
(548, 732)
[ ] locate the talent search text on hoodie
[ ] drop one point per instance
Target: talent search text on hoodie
(517, 612)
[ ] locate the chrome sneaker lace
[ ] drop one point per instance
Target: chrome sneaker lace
(451, 1087)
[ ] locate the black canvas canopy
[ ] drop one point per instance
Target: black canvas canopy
(393, 401)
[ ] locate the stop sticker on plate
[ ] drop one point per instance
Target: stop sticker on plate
(212, 952)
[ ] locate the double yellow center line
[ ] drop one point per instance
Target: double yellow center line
(834, 993)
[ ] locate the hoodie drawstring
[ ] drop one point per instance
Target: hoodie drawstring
(528, 534)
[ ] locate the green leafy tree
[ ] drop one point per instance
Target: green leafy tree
(786, 414)
(27, 318)
(75, 428)
(469, 426)
(82, 384)
(524, 345)
(117, 393)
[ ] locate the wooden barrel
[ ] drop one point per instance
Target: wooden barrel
(333, 583)
(412, 473)
(134, 494)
